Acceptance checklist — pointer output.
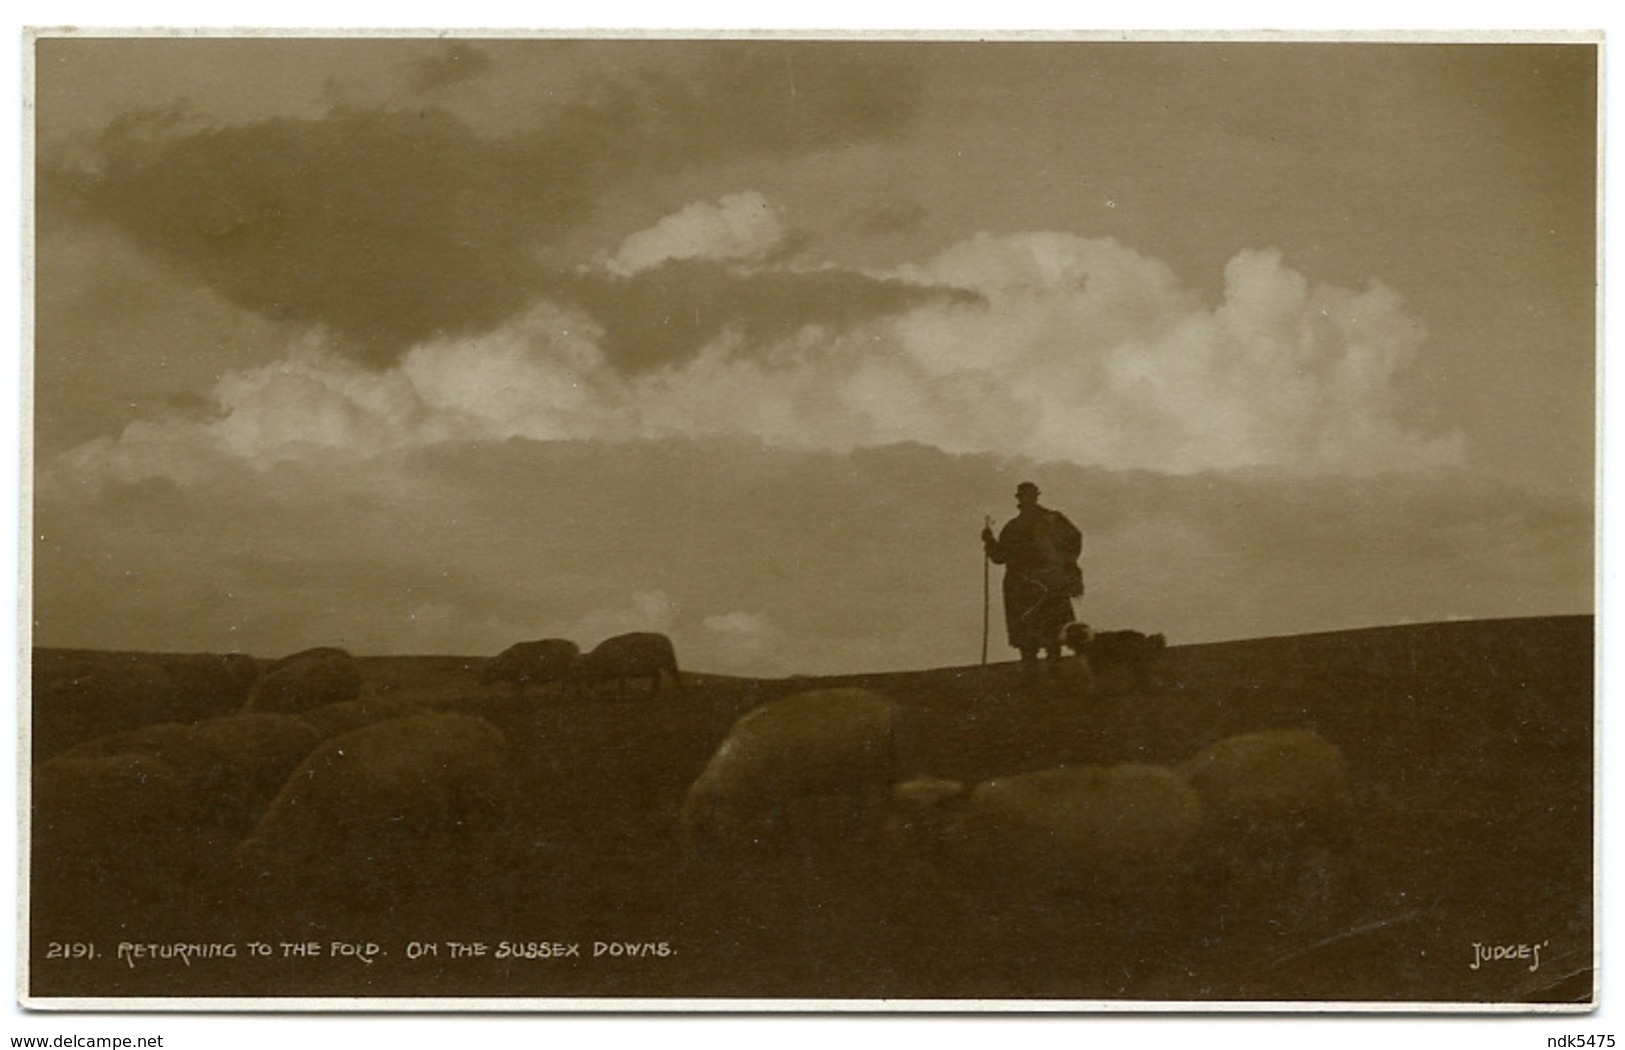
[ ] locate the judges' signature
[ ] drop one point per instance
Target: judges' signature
(1490, 953)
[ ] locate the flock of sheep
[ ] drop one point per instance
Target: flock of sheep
(315, 767)
(559, 661)
(323, 773)
(1246, 819)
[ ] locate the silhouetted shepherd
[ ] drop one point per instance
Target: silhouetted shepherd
(1039, 549)
(541, 663)
(1103, 651)
(641, 654)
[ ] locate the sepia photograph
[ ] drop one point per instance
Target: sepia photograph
(833, 522)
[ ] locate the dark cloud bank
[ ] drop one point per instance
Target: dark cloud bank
(392, 226)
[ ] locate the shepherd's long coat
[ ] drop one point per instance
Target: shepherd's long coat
(1036, 547)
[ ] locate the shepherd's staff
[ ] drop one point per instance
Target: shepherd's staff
(987, 523)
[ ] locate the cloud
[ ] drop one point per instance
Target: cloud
(1062, 349)
(388, 227)
(406, 242)
(309, 402)
(669, 314)
(1108, 359)
(741, 226)
(384, 228)
(118, 339)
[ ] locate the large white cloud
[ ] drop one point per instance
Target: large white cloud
(1080, 351)
(1113, 363)
(740, 226)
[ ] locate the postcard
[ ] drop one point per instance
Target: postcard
(821, 522)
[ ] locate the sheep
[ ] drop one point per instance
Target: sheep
(231, 766)
(417, 786)
(243, 669)
(1129, 652)
(108, 831)
(307, 679)
(207, 684)
(1276, 781)
(532, 663)
(1279, 823)
(795, 770)
(346, 716)
(915, 817)
(106, 801)
(78, 696)
(641, 654)
(1108, 837)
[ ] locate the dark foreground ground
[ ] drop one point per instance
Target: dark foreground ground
(1470, 750)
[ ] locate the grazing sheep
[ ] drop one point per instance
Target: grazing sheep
(1279, 819)
(418, 785)
(315, 653)
(532, 663)
(312, 678)
(106, 802)
(915, 818)
(242, 668)
(1290, 781)
(1109, 837)
(110, 830)
(641, 654)
(207, 684)
(232, 765)
(1129, 652)
(78, 695)
(800, 768)
(347, 716)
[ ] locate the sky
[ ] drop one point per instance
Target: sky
(1471, 372)
(426, 345)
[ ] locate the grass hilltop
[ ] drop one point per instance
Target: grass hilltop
(1470, 758)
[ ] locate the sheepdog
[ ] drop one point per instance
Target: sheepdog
(1128, 652)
